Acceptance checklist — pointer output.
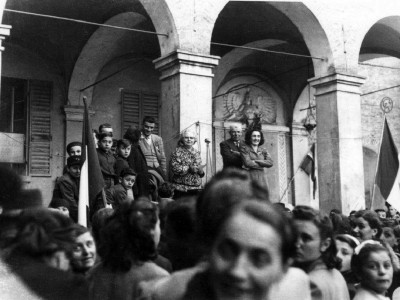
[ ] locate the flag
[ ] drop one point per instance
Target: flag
(91, 181)
(308, 166)
(386, 185)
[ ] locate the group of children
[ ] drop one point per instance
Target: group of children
(119, 177)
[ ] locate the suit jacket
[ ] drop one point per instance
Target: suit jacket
(229, 158)
(159, 150)
(66, 193)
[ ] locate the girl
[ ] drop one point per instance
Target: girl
(345, 245)
(316, 254)
(372, 264)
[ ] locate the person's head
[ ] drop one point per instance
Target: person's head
(235, 132)
(84, 253)
(124, 147)
(74, 149)
(315, 237)
(366, 225)
(388, 236)
(127, 178)
(133, 135)
(130, 236)
(105, 141)
(46, 236)
(381, 213)
(227, 188)
(251, 251)
(106, 128)
(187, 139)
(345, 245)
(391, 211)
(372, 265)
(98, 220)
(254, 138)
(166, 190)
(148, 124)
(74, 165)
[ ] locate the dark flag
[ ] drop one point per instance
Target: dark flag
(386, 186)
(308, 166)
(91, 182)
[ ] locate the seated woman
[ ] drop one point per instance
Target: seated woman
(316, 254)
(186, 166)
(127, 248)
(255, 158)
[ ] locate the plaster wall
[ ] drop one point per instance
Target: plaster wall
(21, 63)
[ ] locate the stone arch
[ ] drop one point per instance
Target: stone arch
(91, 60)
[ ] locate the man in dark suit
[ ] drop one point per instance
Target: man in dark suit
(230, 148)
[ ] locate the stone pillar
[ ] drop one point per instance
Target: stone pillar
(74, 123)
(339, 142)
(186, 98)
(4, 31)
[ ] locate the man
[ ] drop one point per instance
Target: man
(152, 147)
(66, 191)
(230, 148)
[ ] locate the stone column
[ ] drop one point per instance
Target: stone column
(4, 31)
(186, 98)
(339, 142)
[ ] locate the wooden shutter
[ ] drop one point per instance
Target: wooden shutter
(150, 108)
(40, 154)
(136, 105)
(130, 109)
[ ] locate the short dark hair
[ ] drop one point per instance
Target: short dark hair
(247, 137)
(74, 161)
(105, 125)
(123, 142)
(73, 144)
(102, 135)
(325, 228)
(149, 119)
(166, 190)
(372, 218)
(126, 172)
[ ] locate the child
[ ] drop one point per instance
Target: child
(372, 264)
(74, 148)
(106, 158)
(123, 151)
(106, 128)
(122, 191)
(66, 191)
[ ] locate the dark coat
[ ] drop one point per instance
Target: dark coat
(66, 193)
(230, 158)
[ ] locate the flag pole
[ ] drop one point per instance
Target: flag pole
(377, 162)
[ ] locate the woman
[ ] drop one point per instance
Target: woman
(316, 253)
(250, 252)
(345, 245)
(254, 157)
(186, 166)
(127, 248)
(84, 252)
(366, 225)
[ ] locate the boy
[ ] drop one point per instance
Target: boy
(74, 148)
(122, 191)
(106, 128)
(123, 151)
(106, 158)
(66, 190)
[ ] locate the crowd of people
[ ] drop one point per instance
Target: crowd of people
(155, 239)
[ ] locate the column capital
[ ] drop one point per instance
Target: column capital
(75, 112)
(335, 82)
(187, 63)
(4, 31)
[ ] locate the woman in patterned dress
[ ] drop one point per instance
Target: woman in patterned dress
(185, 165)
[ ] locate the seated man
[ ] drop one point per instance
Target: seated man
(66, 190)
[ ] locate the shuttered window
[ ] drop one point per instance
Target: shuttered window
(40, 95)
(136, 105)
